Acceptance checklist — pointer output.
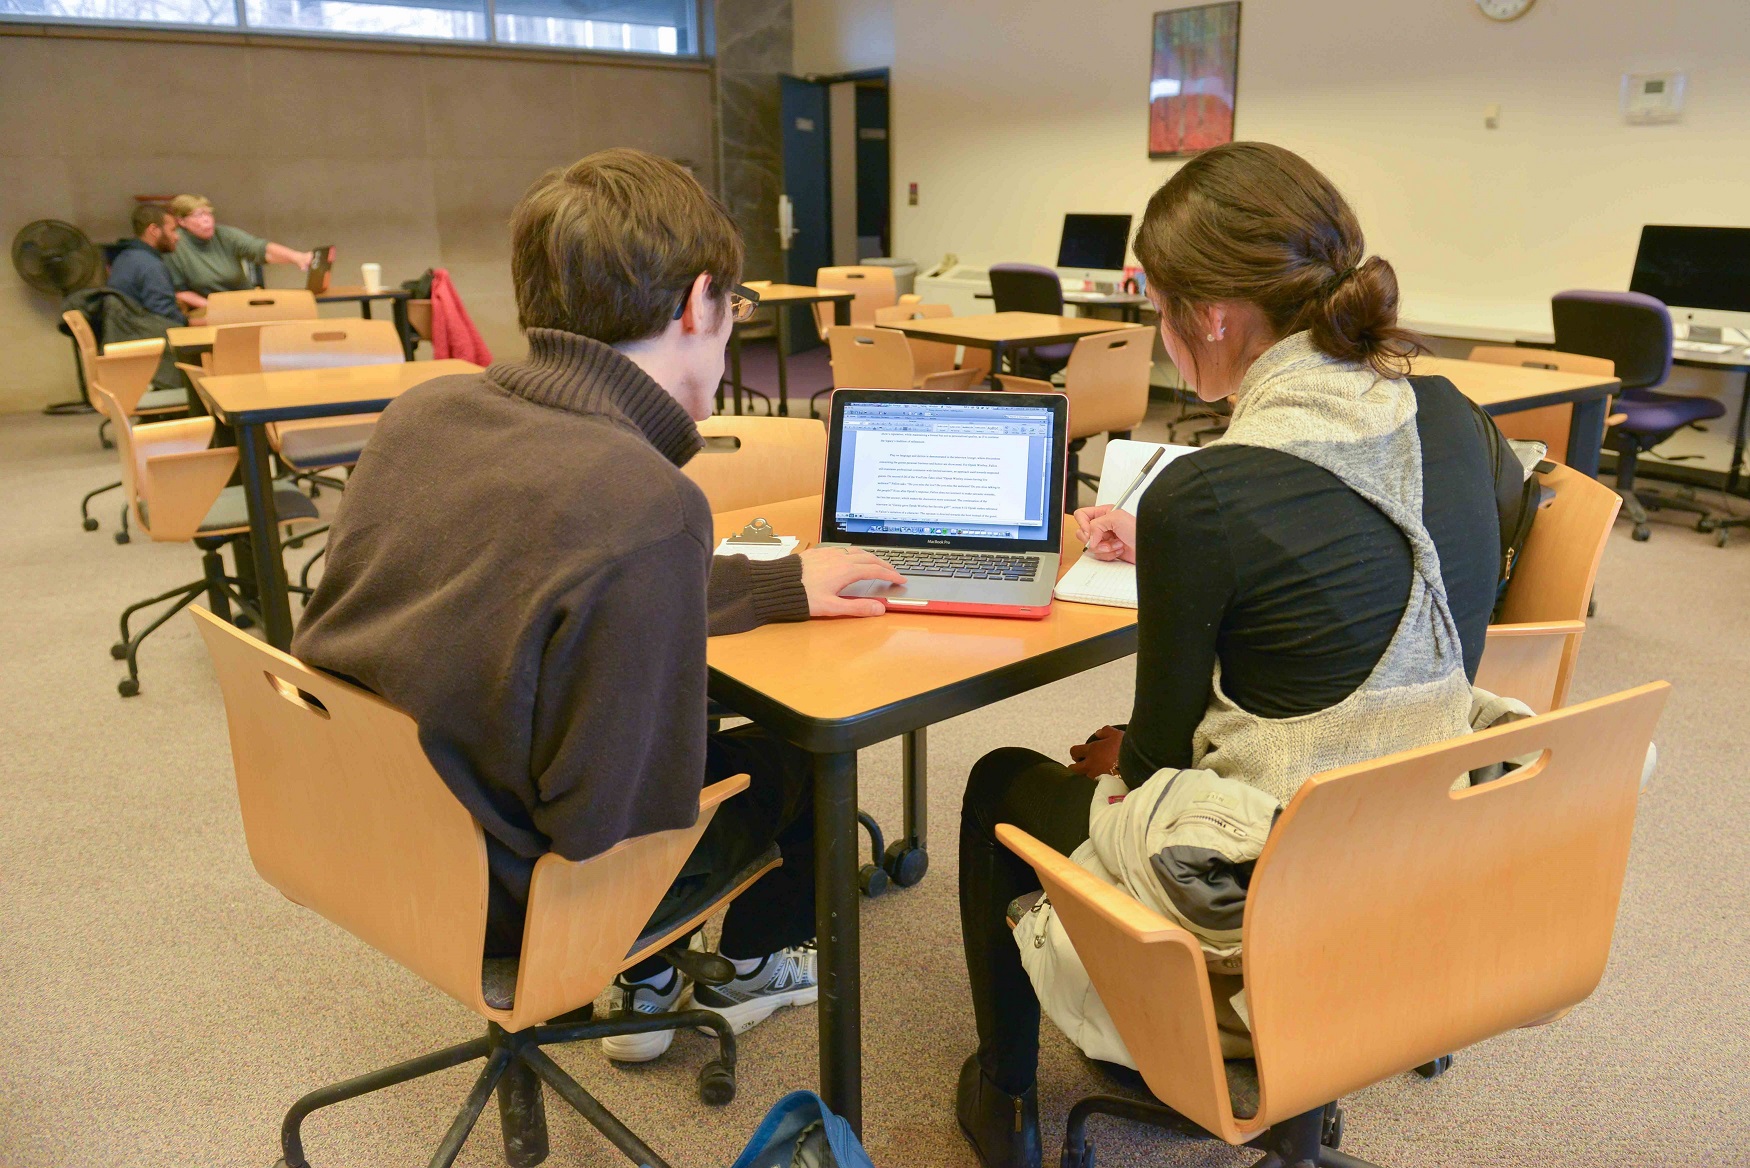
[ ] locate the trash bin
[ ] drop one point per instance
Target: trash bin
(905, 272)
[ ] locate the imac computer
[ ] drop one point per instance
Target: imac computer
(1093, 248)
(1701, 273)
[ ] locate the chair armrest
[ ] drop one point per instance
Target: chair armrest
(1531, 661)
(584, 915)
(180, 489)
(176, 437)
(1136, 919)
(1013, 384)
(952, 379)
(127, 376)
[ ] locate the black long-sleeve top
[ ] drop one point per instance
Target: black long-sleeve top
(1291, 580)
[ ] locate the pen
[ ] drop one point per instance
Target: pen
(1140, 475)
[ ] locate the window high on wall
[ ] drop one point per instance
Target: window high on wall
(665, 27)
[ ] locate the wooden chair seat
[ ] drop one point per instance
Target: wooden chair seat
(162, 401)
(229, 514)
(318, 447)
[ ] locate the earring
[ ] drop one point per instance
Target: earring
(1209, 337)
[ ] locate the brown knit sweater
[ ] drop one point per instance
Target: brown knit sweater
(519, 564)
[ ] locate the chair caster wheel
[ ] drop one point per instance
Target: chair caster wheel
(243, 621)
(1720, 537)
(1074, 1159)
(119, 651)
(1331, 1135)
(1642, 533)
(716, 1083)
(1436, 1068)
(90, 525)
(127, 687)
(905, 864)
(123, 537)
(872, 880)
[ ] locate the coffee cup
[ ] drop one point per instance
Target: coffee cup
(373, 274)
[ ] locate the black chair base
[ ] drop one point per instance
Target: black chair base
(1307, 1139)
(85, 518)
(516, 1066)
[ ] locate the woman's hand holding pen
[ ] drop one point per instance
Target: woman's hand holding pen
(1110, 534)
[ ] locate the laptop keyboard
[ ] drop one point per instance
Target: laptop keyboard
(965, 565)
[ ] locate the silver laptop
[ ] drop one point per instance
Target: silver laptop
(962, 492)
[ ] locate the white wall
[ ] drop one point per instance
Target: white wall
(1008, 113)
(842, 36)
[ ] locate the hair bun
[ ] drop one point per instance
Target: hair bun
(1358, 320)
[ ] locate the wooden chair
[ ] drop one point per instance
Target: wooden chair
(865, 357)
(1532, 651)
(1390, 919)
(1106, 381)
(1550, 424)
(125, 369)
(875, 288)
(750, 460)
(325, 443)
(261, 304)
(344, 814)
(175, 485)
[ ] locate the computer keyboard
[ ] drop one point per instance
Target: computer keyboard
(1702, 346)
(966, 565)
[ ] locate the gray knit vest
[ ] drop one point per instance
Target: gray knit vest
(1362, 428)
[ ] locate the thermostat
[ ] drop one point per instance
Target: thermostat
(1652, 97)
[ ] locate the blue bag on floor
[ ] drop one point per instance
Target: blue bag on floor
(799, 1132)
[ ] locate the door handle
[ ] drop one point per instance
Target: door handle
(786, 221)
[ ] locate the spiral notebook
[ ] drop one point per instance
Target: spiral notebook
(1113, 582)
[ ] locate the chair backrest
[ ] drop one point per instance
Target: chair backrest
(927, 357)
(84, 340)
(1107, 381)
(1628, 329)
(875, 288)
(236, 349)
(323, 344)
(749, 461)
(1532, 662)
(1547, 424)
(1390, 920)
(261, 304)
(419, 318)
(1026, 288)
(171, 474)
(865, 357)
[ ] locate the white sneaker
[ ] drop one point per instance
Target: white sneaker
(642, 998)
(785, 978)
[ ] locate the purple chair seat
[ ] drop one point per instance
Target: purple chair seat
(1662, 413)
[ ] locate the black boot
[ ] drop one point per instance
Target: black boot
(1003, 1128)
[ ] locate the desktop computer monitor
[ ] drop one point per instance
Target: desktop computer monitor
(1093, 246)
(1701, 273)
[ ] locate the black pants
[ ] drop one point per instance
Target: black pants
(1048, 801)
(777, 807)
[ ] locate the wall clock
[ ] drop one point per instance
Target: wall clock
(1504, 9)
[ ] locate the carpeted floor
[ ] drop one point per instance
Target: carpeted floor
(164, 1005)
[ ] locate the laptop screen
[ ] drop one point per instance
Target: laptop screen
(939, 469)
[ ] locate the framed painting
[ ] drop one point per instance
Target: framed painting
(1192, 79)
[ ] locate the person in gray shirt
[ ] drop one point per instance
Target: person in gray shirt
(209, 257)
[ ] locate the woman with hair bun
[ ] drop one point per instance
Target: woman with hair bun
(1314, 588)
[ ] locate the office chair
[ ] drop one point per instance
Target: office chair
(1106, 381)
(261, 304)
(866, 357)
(125, 369)
(1031, 288)
(1548, 424)
(344, 814)
(1368, 950)
(875, 288)
(1634, 331)
(175, 484)
(308, 447)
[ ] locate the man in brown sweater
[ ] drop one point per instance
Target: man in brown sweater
(520, 564)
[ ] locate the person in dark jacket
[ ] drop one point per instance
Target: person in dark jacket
(519, 563)
(138, 268)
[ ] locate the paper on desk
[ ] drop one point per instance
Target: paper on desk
(1113, 582)
(759, 551)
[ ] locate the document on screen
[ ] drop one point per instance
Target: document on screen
(946, 478)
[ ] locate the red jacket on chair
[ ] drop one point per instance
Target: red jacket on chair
(452, 333)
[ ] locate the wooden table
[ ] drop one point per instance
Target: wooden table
(1003, 331)
(783, 297)
(833, 686)
(1129, 304)
(1506, 389)
(249, 401)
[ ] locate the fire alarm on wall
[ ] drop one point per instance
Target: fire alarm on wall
(1652, 97)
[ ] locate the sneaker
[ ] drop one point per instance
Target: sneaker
(642, 998)
(785, 978)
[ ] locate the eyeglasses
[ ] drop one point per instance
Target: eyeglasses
(742, 303)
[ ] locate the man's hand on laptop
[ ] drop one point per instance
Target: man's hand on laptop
(828, 571)
(1109, 533)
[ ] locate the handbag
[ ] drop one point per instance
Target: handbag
(800, 1131)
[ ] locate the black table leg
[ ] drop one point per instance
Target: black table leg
(264, 535)
(1736, 474)
(783, 364)
(365, 309)
(403, 326)
(1586, 435)
(734, 369)
(915, 768)
(996, 363)
(841, 312)
(836, 924)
